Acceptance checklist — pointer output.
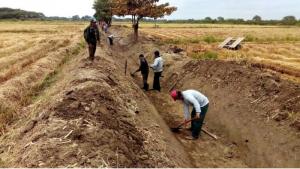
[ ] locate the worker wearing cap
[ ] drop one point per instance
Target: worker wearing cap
(200, 105)
(92, 36)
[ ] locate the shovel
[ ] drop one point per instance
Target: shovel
(177, 130)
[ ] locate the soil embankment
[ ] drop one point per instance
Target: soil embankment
(253, 111)
(95, 117)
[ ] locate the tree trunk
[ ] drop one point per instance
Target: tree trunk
(136, 31)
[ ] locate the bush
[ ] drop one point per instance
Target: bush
(210, 39)
(208, 55)
(250, 38)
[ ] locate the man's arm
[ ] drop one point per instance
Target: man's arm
(155, 64)
(98, 35)
(138, 70)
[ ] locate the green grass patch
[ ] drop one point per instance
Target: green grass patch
(208, 55)
(250, 38)
(180, 41)
(210, 39)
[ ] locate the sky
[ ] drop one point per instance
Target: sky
(187, 9)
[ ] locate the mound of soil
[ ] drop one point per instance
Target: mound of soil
(100, 119)
(253, 108)
(253, 111)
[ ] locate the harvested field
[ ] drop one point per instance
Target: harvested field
(31, 52)
(59, 109)
(273, 46)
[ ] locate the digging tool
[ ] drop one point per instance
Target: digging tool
(132, 74)
(126, 65)
(177, 129)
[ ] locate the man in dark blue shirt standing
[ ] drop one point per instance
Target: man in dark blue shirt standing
(144, 69)
(92, 36)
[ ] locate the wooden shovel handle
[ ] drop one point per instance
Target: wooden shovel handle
(204, 130)
(186, 122)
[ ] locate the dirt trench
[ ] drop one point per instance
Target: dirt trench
(254, 112)
(93, 116)
(96, 116)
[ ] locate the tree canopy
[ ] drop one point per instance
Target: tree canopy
(137, 9)
(289, 20)
(257, 18)
(103, 10)
(8, 13)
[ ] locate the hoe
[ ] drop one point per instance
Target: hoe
(179, 127)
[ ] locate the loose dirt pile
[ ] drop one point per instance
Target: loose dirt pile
(98, 119)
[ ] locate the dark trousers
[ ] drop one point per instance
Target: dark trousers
(156, 82)
(145, 81)
(197, 124)
(111, 41)
(92, 51)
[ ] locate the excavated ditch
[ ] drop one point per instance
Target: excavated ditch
(253, 111)
(99, 117)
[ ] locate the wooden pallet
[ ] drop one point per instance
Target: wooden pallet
(222, 45)
(231, 43)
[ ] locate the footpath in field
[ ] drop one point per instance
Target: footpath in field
(253, 111)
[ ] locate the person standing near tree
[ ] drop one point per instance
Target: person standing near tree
(157, 67)
(92, 36)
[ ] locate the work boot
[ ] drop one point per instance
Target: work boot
(146, 87)
(191, 138)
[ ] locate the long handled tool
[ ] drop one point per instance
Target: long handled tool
(177, 129)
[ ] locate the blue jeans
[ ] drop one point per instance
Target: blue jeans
(197, 124)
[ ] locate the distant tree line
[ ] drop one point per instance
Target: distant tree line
(8, 13)
(256, 20)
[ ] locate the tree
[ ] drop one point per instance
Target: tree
(8, 13)
(86, 18)
(257, 19)
(289, 20)
(139, 9)
(220, 19)
(208, 19)
(75, 18)
(103, 10)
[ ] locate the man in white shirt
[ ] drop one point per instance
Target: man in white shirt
(157, 67)
(200, 105)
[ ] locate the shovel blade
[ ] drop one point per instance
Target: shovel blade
(175, 130)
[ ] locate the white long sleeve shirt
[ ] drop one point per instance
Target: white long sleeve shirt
(195, 99)
(158, 65)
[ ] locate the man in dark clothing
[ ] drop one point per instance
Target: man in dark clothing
(157, 67)
(144, 69)
(92, 36)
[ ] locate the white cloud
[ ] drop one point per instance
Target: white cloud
(53, 7)
(187, 9)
